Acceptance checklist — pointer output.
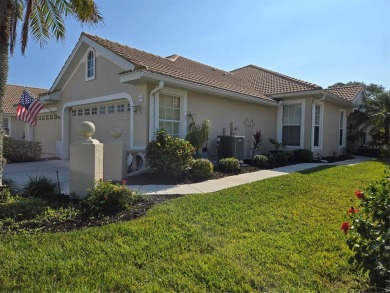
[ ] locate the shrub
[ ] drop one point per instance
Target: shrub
(21, 150)
(283, 157)
(257, 140)
(229, 165)
(41, 187)
(20, 208)
(271, 158)
(260, 161)
(202, 168)
(5, 194)
(168, 155)
(303, 155)
(108, 198)
(369, 236)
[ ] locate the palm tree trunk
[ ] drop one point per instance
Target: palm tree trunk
(4, 66)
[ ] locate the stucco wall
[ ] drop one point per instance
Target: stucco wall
(107, 83)
(222, 111)
(331, 130)
(17, 128)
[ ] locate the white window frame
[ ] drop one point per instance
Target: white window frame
(87, 78)
(321, 126)
(8, 124)
(280, 123)
(155, 106)
(342, 127)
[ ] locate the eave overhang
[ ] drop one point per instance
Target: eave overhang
(144, 76)
(317, 93)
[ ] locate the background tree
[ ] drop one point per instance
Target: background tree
(44, 19)
(374, 112)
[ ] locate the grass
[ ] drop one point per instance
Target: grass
(280, 234)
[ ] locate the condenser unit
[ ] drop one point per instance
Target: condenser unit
(231, 146)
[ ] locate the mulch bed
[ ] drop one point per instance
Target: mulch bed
(152, 178)
(156, 179)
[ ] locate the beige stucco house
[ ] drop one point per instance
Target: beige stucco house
(119, 87)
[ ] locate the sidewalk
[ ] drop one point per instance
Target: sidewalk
(231, 181)
(21, 172)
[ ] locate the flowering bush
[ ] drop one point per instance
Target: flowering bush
(368, 232)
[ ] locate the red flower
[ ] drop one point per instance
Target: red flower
(352, 210)
(345, 227)
(359, 194)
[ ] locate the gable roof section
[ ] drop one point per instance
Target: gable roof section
(13, 94)
(347, 92)
(271, 83)
(180, 68)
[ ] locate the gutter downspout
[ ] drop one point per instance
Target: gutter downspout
(152, 110)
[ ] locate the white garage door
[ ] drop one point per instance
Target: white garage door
(105, 116)
(46, 132)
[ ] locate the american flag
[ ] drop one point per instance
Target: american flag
(28, 109)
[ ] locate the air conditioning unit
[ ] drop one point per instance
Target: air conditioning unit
(231, 146)
(136, 163)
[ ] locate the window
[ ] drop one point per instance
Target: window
(291, 124)
(102, 110)
(111, 109)
(169, 114)
(86, 111)
(6, 125)
(128, 108)
(120, 108)
(317, 126)
(74, 112)
(94, 111)
(80, 112)
(341, 128)
(91, 65)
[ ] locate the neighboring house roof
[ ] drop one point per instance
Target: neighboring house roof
(13, 94)
(270, 82)
(181, 68)
(348, 92)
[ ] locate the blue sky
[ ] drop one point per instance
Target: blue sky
(319, 41)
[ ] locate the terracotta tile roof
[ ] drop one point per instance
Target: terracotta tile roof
(271, 83)
(13, 94)
(181, 68)
(347, 92)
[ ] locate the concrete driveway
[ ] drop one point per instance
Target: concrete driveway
(21, 172)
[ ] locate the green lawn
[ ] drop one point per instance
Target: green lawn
(281, 234)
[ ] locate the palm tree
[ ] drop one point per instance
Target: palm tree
(44, 19)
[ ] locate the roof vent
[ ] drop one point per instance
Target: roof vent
(173, 57)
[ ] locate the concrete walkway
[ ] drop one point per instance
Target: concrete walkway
(21, 172)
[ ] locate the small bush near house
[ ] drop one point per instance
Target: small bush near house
(202, 168)
(108, 198)
(229, 165)
(40, 187)
(168, 155)
(271, 159)
(369, 234)
(21, 150)
(5, 195)
(260, 161)
(303, 155)
(19, 208)
(283, 157)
